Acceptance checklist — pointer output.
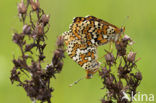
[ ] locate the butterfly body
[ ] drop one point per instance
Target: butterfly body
(83, 38)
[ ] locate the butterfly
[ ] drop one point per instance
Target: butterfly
(84, 36)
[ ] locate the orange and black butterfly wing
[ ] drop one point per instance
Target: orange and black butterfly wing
(84, 55)
(89, 30)
(76, 25)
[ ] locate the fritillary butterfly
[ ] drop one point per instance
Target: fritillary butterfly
(84, 36)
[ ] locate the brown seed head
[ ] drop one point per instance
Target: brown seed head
(39, 29)
(45, 19)
(109, 58)
(18, 38)
(27, 29)
(21, 8)
(139, 75)
(60, 41)
(35, 4)
(131, 57)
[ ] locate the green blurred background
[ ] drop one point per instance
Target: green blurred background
(141, 27)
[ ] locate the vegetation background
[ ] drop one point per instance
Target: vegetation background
(141, 27)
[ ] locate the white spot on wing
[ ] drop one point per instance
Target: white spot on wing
(96, 23)
(93, 41)
(89, 58)
(104, 36)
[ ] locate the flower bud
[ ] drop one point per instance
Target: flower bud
(121, 48)
(104, 72)
(59, 66)
(60, 41)
(18, 38)
(139, 75)
(21, 8)
(110, 58)
(45, 19)
(35, 4)
(27, 29)
(40, 29)
(131, 56)
(58, 54)
(126, 38)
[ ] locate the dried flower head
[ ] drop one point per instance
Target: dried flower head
(131, 57)
(18, 38)
(45, 19)
(27, 29)
(39, 30)
(21, 7)
(138, 75)
(109, 58)
(60, 41)
(35, 4)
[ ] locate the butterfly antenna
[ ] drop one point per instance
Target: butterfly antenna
(124, 22)
(76, 82)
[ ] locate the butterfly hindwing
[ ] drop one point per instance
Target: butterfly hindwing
(85, 56)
